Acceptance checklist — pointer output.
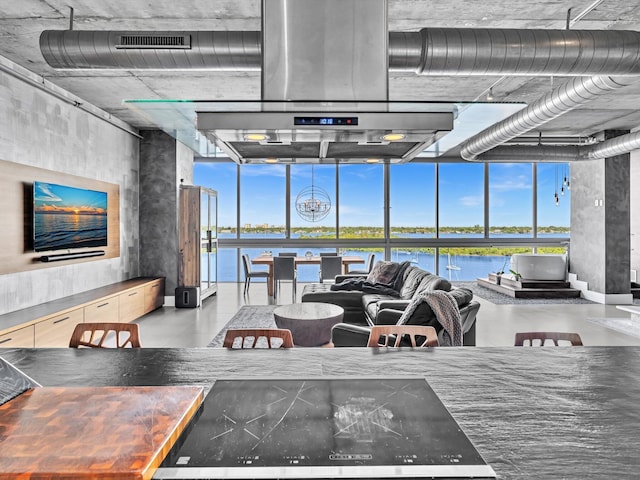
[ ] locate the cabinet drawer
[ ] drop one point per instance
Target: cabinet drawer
(153, 295)
(131, 305)
(105, 310)
(56, 331)
(22, 337)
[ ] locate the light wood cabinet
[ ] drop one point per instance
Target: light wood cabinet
(104, 310)
(153, 295)
(51, 324)
(22, 338)
(56, 331)
(131, 305)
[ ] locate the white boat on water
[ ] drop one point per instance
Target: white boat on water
(451, 266)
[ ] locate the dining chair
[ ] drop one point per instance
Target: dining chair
(94, 335)
(368, 266)
(287, 254)
(330, 267)
(532, 339)
(249, 338)
(284, 268)
(249, 273)
(328, 254)
(397, 332)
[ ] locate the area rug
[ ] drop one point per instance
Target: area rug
(501, 299)
(627, 326)
(249, 316)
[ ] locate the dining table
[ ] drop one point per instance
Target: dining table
(266, 259)
(531, 412)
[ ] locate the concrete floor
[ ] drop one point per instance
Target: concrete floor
(496, 324)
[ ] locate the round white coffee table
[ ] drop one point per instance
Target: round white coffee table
(310, 322)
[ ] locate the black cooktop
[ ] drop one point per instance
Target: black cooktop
(324, 428)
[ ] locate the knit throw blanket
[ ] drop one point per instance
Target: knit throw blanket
(446, 310)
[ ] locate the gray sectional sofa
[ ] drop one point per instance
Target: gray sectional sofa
(368, 302)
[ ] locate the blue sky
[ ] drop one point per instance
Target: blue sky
(412, 193)
(52, 198)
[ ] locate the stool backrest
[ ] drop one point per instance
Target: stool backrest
(540, 338)
(429, 336)
(94, 335)
(250, 337)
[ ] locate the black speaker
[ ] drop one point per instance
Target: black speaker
(187, 297)
(69, 256)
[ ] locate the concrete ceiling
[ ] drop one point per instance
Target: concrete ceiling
(22, 22)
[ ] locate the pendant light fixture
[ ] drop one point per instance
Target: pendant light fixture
(556, 198)
(313, 203)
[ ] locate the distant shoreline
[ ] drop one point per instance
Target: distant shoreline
(476, 229)
(351, 233)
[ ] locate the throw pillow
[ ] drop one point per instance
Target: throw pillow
(461, 295)
(383, 272)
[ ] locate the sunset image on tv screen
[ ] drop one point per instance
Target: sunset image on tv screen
(67, 217)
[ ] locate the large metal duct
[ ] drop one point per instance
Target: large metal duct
(613, 147)
(483, 51)
(152, 50)
(431, 51)
(562, 153)
(531, 153)
(576, 92)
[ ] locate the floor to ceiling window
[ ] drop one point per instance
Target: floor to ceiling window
(461, 220)
(461, 200)
(361, 205)
(554, 199)
(412, 200)
(223, 177)
(510, 199)
(262, 201)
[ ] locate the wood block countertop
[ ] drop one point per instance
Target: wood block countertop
(104, 432)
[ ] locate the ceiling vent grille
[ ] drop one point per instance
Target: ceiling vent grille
(154, 41)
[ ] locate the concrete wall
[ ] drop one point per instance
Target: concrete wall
(38, 129)
(587, 223)
(600, 232)
(164, 162)
(617, 224)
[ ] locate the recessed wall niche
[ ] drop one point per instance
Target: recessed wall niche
(16, 217)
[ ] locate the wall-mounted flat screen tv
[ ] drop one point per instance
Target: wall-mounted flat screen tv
(67, 217)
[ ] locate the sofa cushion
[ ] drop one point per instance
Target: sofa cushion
(370, 303)
(413, 277)
(461, 295)
(432, 282)
(350, 301)
(383, 272)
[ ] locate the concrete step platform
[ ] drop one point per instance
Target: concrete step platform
(530, 288)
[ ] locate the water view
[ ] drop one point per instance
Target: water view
(453, 263)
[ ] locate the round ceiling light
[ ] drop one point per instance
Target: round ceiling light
(393, 137)
(255, 137)
(270, 160)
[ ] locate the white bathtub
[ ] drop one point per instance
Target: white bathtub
(539, 267)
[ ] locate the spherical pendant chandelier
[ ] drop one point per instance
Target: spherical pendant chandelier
(313, 203)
